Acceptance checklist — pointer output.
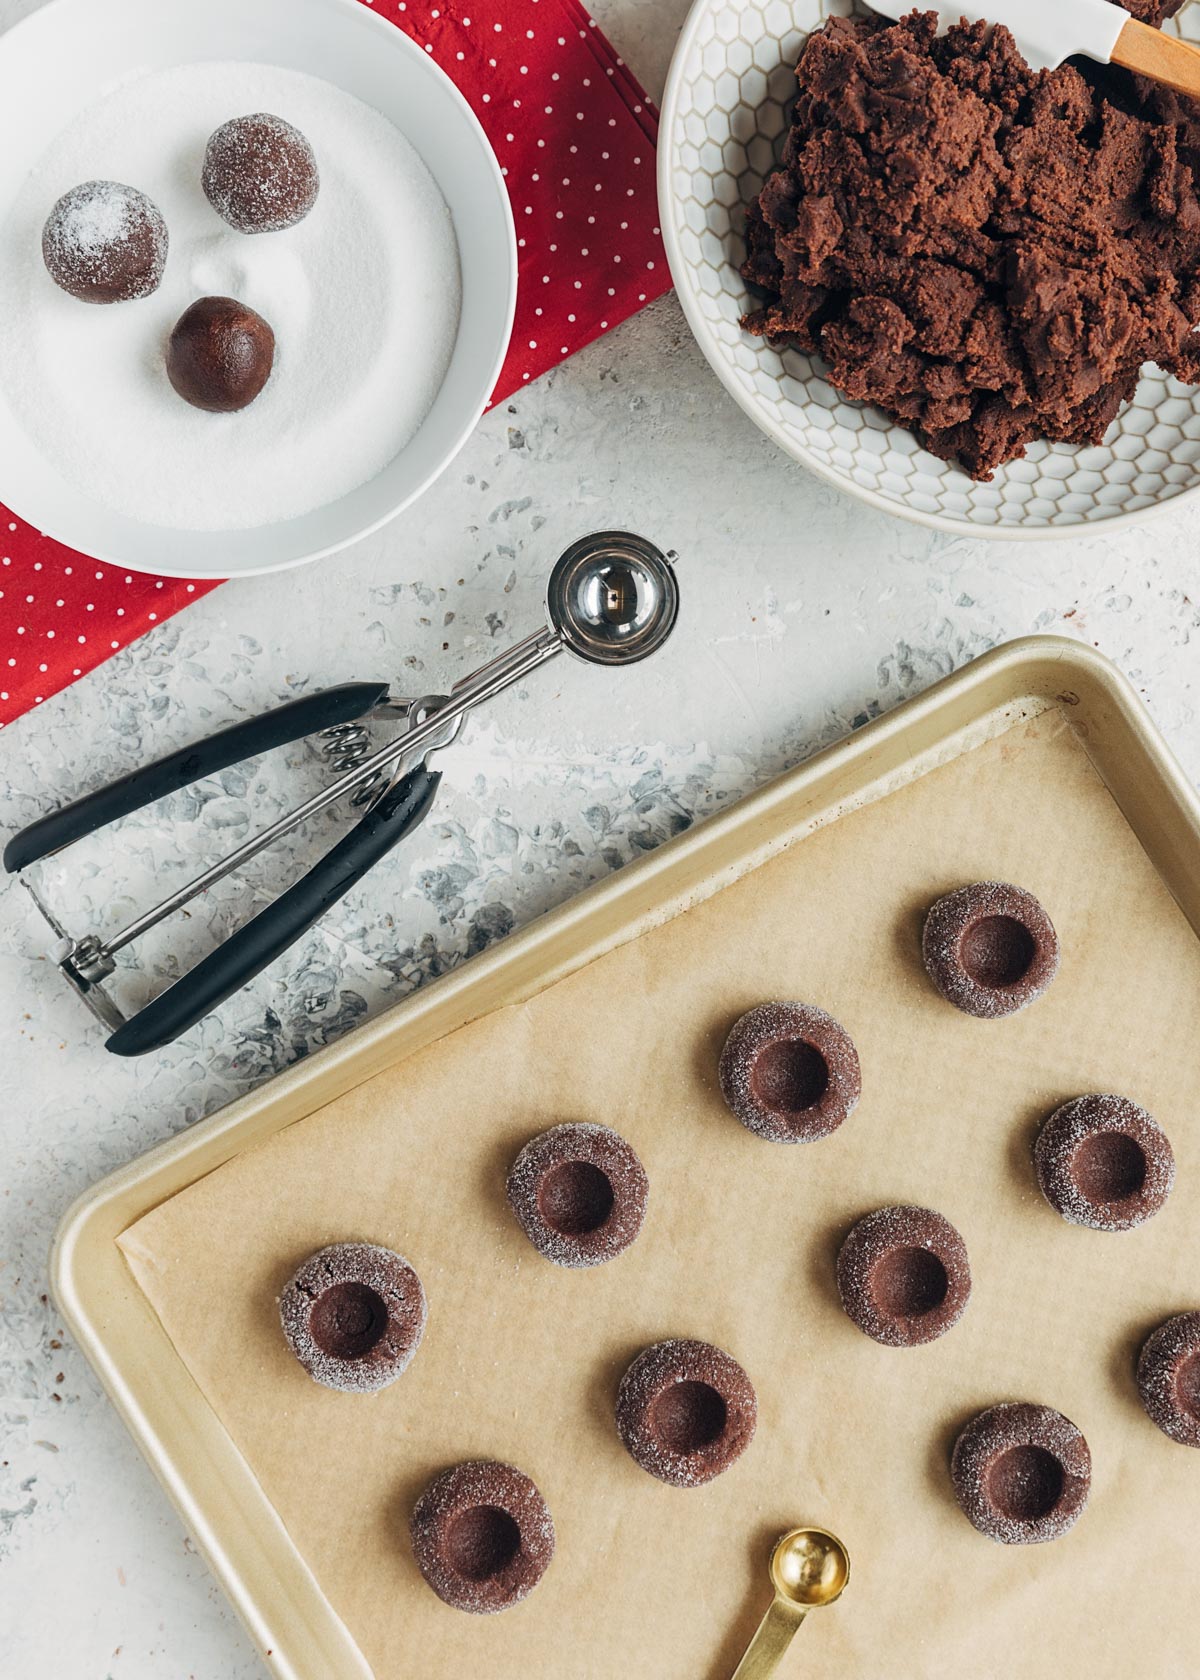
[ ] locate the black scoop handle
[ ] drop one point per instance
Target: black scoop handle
(290, 722)
(248, 951)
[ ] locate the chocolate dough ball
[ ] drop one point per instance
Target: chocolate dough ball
(1021, 1473)
(579, 1192)
(1104, 1162)
(1168, 1378)
(685, 1411)
(354, 1315)
(220, 355)
(789, 1072)
(482, 1536)
(105, 243)
(260, 174)
(903, 1275)
(989, 948)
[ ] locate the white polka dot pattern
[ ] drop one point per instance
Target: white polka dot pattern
(725, 118)
(61, 613)
(575, 135)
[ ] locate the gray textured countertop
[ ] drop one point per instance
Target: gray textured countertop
(804, 615)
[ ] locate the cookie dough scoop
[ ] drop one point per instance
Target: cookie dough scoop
(612, 599)
(1046, 35)
(809, 1569)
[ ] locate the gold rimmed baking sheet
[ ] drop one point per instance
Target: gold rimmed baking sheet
(521, 1359)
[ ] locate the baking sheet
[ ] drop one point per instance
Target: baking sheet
(521, 1359)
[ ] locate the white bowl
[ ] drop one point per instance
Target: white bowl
(724, 118)
(64, 57)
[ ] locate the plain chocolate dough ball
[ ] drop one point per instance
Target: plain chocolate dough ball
(220, 355)
(260, 174)
(105, 243)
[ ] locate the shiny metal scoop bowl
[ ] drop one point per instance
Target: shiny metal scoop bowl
(612, 598)
(809, 1569)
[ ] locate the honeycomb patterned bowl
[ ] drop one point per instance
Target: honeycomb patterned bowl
(725, 115)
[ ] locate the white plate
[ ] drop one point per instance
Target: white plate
(724, 116)
(64, 57)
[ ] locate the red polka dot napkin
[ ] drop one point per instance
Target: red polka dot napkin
(575, 137)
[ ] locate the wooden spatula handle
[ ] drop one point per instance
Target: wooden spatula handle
(1164, 58)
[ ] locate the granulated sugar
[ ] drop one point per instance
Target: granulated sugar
(363, 296)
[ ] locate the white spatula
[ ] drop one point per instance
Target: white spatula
(1047, 31)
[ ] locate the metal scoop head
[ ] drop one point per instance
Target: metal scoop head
(810, 1567)
(612, 598)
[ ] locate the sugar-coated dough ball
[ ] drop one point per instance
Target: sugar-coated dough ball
(260, 174)
(104, 242)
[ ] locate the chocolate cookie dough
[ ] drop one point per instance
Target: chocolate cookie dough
(220, 355)
(903, 1275)
(1103, 1161)
(986, 252)
(1168, 1378)
(989, 948)
(1021, 1473)
(579, 1192)
(260, 174)
(482, 1536)
(685, 1411)
(354, 1315)
(105, 243)
(789, 1072)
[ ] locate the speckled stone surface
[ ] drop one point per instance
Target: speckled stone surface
(804, 616)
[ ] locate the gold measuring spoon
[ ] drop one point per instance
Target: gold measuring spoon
(809, 1569)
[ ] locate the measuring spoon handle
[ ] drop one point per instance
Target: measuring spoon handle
(775, 1632)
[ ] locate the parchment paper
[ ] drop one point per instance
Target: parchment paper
(521, 1359)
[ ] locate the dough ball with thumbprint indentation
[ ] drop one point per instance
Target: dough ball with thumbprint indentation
(789, 1072)
(989, 948)
(903, 1275)
(1021, 1473)
(1168, 1378)
(1103, 1161)
(353, 1315)
(579, 1192)
(482, 1536)
(685, 1411)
